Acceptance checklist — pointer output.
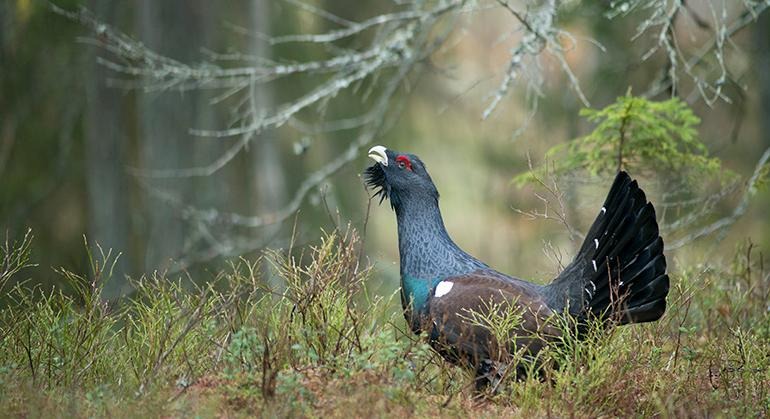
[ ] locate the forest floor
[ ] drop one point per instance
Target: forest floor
(317, 344)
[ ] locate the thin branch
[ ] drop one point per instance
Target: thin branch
(737, 213)
(321, 13)
(710, 89)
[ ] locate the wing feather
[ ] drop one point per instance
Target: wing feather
(457, 318)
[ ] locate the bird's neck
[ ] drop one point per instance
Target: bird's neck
(427, 252)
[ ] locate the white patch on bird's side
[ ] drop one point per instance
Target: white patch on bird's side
(604, 210)
(596, 242)
(443, 288)
(594, 262)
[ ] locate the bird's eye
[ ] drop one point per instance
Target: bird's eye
(403, 163)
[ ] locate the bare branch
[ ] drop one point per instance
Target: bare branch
(707, 86)
(737, 213)
(553, 193)
(540, 35)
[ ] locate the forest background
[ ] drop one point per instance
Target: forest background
(185, 134)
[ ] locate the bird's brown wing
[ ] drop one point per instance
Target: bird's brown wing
(465, 321)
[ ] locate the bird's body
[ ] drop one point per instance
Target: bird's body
(618, 274)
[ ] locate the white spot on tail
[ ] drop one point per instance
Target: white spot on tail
(590, 292)
(604, 210)
(596, 242)
(594, 262)
(443, 288)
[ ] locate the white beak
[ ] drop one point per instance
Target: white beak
(377, 153)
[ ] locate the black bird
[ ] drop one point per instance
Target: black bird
(618, 276)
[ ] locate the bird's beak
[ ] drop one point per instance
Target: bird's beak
(377, 153)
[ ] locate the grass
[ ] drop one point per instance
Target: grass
(295, 333)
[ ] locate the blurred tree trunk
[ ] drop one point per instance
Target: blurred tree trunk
(762, 65)
(106, 138)
(762, 60)
(269, 181)
(179, 29)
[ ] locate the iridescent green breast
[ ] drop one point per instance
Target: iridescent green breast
(416, 291)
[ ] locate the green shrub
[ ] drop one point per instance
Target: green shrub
(311, 341)
(640, 136)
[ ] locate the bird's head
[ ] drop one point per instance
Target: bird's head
(399, 177)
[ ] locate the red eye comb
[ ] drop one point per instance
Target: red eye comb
(405, 160)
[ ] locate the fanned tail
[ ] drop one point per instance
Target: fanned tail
(620, 270)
